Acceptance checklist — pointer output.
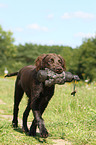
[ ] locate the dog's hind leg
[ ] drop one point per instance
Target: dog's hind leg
(25, 116)
(17, 98)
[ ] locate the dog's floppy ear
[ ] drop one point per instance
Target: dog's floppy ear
(63, 62)
(39, 62)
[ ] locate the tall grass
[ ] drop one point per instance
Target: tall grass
(67, 117)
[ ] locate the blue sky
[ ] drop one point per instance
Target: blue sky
(50, 22)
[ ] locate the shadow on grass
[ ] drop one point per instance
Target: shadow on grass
(37, 137)
(18, 129)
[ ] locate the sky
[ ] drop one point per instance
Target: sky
(49, 22)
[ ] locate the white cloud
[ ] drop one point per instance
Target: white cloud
(50, 16)
(34, 26)
(37, 27)
(78, 14)
(66, 16)
(44, 29)
(84, 15)
(18, 29)
(3, 5)
(85, 35)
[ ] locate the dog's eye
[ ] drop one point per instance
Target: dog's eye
(59, 61)
(51, 60)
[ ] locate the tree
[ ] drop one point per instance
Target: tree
(87, 59)
(27, 53)
(7, 49)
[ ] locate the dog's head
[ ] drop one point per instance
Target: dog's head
(52, 61)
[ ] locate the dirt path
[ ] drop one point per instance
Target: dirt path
(61, 142)
(1, 102)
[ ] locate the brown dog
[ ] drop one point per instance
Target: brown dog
(38, 94)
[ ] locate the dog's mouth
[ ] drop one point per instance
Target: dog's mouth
(58, 70)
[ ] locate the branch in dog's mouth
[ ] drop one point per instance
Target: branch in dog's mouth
(51, 78)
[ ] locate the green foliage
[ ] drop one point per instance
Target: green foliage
(87, 59)
(30, 53)
(7, 49)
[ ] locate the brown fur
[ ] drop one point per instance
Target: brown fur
(38, 94)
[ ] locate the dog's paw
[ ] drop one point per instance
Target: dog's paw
(25, 129)
(14, 124)
(32, 133)
(44, 133)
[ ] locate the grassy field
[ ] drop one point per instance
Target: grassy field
(67, 117)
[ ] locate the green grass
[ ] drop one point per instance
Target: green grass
(72, 118)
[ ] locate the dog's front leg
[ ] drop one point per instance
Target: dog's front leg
(42, 105)
(40, 123)
(36, 98)
(38, 120)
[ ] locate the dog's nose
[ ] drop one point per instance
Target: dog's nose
(59, 70)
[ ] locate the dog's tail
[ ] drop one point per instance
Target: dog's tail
(12, 74)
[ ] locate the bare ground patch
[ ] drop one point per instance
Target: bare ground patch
(61, 142)
(1, 111)
(1, 102)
